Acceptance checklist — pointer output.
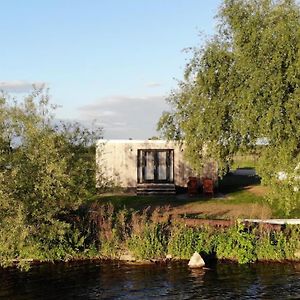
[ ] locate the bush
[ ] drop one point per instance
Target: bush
(151, 243)
(46, 171)
(182, 242)
(236, 243)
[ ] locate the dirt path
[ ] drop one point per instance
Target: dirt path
(223, 211)
(219, 209)
(258, 190)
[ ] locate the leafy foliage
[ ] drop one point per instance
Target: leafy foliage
(236, 244)
(182, 242)
(46, 171)
(243, 87)
(145, 236)
(150, 243)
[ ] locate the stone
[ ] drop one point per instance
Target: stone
(196, 261)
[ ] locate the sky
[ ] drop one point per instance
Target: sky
(113, 62)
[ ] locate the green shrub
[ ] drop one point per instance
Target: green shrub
(182, 242)
(236, 243)
(206, 240)
(267, 247)
(151, 243)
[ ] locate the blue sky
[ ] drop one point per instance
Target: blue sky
(110, 61)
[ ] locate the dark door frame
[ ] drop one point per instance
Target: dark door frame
(141, 166)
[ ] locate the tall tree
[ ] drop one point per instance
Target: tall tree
(46, 171)
(242, 86)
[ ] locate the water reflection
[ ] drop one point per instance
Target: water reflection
(175, 281)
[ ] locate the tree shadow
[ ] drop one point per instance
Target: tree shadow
(232, 183)
(139, 202)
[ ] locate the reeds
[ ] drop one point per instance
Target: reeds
(151, 234)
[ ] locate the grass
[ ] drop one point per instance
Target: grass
(239, 204)
(144, 237)
(242, 196)
(295, 213)
(245, 161)
(139, 203)
(237, 197)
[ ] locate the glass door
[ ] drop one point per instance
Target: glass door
(149, 166)
(155, 166)
(162, 165)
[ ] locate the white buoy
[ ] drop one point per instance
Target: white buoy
(196, 261)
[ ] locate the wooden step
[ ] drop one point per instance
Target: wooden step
(155, 189)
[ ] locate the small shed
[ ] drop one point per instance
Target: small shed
(147, 166)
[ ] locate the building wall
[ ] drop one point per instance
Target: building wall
(118, 160)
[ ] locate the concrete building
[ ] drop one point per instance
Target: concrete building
(147, 166)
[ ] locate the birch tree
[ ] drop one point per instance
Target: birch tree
(242, 86)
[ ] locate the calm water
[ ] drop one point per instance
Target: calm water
(176, 281)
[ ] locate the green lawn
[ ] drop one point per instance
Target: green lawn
(236, 197)
(141, 202)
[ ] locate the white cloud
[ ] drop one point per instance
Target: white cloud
(19, 86)
(106, 113)
(126, 116)
(153, 84)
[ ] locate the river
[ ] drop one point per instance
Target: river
(98, 280)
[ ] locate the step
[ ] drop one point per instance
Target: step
(155, 189)
(156, 192)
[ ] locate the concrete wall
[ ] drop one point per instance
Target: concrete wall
(118, 160)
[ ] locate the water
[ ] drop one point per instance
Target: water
(174, 281)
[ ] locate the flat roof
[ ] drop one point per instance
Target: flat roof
(134, 141)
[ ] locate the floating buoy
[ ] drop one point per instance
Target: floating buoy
(196, 261)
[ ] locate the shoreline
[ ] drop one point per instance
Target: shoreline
(145, 262)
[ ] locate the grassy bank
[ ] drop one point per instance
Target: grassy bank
(152, 236)
(118, 226)
(101, 231)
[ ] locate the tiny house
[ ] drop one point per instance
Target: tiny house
(147, 166)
